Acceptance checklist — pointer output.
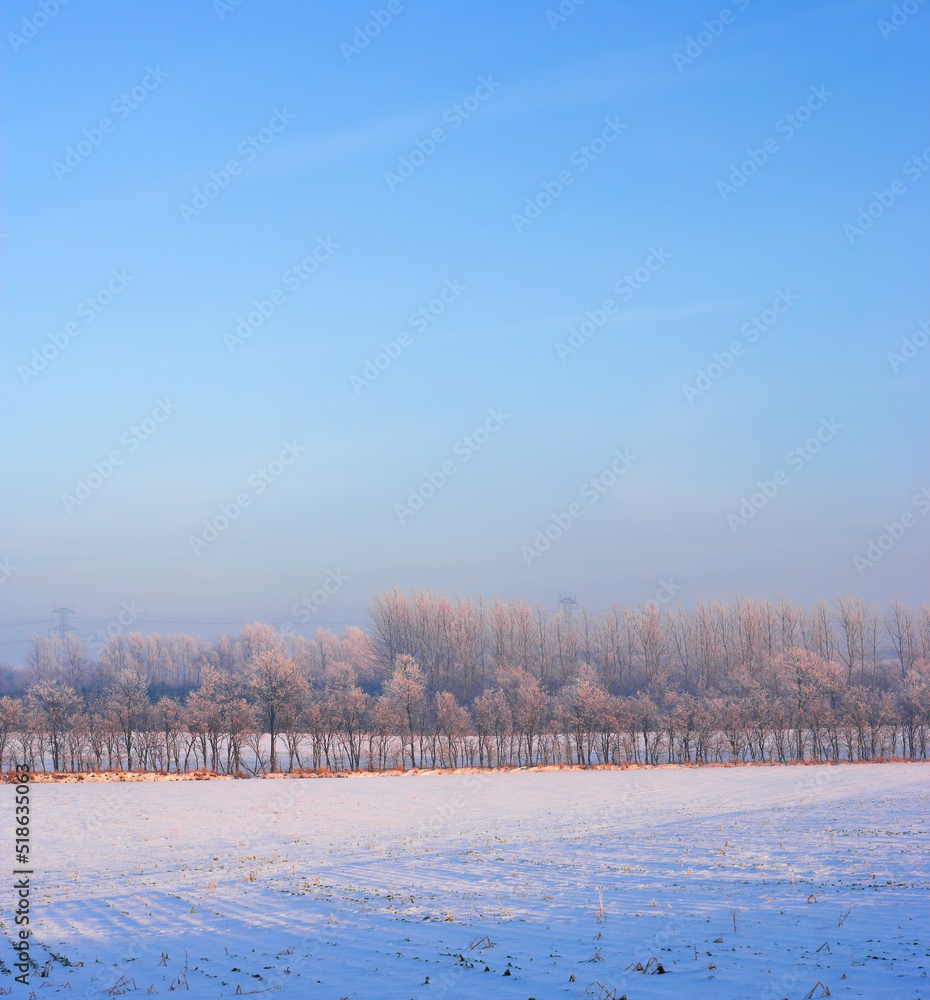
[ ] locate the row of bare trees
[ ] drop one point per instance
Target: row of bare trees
(443, 684)
(460, 645)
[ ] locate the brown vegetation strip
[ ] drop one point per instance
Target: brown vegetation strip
(67, 777)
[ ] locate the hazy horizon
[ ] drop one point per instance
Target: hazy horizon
(394, 304)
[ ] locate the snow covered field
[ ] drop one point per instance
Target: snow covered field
(742, 882)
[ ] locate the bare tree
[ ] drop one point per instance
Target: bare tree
(275, 682)
(493, 723)
(651, 645)
(899, 627)
(584, 705)
(349, 707)
(10, 711)
(55, 704)
(406, 689)
(748, 678)
(43, 660)
(613, 645)
(823, 638)
(852, 648)
(167, 717)
(128, 703)
(451, 727)
(470, 649)
(392, 628)
(531, 705)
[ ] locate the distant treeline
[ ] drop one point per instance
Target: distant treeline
(446, 683)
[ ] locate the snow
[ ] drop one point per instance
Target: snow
(365, 886)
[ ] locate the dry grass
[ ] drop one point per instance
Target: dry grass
(652, 968)
(604, 992)
(121, 986)
(69, 777)
(824, 991)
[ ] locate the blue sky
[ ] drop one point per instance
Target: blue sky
(320, 128)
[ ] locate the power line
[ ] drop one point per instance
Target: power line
(568, 605)
(158, 621)
(63, 624)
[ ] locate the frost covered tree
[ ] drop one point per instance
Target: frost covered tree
(274, 682)
(406, 689)
(55, 706)
(127, 705)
